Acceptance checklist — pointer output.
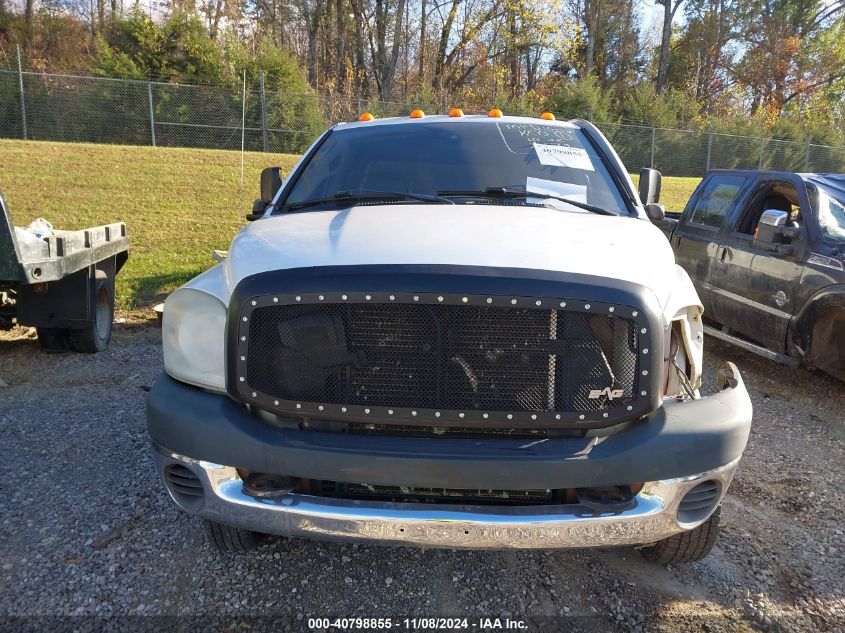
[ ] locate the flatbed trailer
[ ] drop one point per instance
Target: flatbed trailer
(66, 292)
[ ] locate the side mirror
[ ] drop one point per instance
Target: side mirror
(772, 228)
(258, 209)
(649, 185)
(655, 212)
(271, 181)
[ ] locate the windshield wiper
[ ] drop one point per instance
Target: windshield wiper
(365, 195)
(513, 192)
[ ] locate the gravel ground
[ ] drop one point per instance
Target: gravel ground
(89, 530)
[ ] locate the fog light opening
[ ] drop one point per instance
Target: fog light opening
(184, 486)
(699, 502)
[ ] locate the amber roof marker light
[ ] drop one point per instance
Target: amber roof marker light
(366, 116)
(495, 113)
(417, 114)
(456, 112)
(547, 116)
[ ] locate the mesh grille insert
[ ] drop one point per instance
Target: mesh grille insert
(438, 356)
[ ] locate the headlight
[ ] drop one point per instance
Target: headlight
(193, 336)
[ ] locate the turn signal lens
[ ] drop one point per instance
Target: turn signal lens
(456, 112)
(417, 114)
(547, 116)
(366, 117)
(495, 113)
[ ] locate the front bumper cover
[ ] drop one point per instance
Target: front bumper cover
(676, 440)
(672, 450)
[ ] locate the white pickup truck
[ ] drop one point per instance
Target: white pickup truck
(449, 331)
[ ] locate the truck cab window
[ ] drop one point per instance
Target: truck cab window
(832, 215)
(779, 197)
(713, 204)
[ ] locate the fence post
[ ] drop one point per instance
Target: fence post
(762, 147)
(709, 148)
(152, 113)
(264, 143)
(23, 98)
(653, 139)
(807, 157)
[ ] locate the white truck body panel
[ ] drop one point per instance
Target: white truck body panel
(623, 248)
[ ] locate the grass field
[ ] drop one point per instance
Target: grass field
(675, 191)
(178, 204)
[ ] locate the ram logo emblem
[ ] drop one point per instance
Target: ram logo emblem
(611, 394)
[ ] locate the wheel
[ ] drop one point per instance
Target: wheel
(95, 338)
(231, 539)
(52, 339)
(686, 547)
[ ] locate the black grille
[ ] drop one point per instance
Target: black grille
(437, 356)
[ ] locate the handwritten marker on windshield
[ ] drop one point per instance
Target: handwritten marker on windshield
(366, 116)
(547, 116)
(495, 113)
(456, 112)
(417, 114)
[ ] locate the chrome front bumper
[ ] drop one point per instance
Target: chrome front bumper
(654, 517)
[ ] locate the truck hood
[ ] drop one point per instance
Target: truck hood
(537, 238)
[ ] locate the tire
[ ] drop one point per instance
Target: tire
(95, 338)
(231, 539)
(686, 547)
(52, 339)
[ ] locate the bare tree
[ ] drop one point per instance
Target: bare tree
(670, 7)
(421, 53)
(29, 12)
(592, 11)
(312, 12)
(388, 69)
(360, 53)
(471, 26)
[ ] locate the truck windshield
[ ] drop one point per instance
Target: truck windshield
(832, 215)
(439, 158)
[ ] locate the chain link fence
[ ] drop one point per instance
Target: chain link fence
(46, 107)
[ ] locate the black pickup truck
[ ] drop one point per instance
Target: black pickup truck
(766, 252)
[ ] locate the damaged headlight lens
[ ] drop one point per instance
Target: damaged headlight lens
(193, 337)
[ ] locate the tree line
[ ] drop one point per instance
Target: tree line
(773, 67)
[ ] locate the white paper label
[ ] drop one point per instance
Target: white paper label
(555, 188)
(563, 156)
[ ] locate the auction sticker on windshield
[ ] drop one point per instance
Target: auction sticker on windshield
(564, 156)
